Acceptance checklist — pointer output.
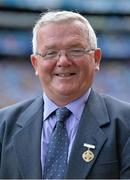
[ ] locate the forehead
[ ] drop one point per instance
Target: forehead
(73, 31)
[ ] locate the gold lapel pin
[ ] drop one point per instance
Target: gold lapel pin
(88, 155)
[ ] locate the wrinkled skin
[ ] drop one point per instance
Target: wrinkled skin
(65, 80)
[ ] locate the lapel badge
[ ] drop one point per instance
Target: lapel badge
(88, 155)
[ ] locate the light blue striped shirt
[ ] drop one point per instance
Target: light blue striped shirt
(49, 121)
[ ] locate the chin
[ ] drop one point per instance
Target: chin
(67, 93)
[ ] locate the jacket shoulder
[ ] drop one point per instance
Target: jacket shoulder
(115, 103)
(15, 110)
(117, 108)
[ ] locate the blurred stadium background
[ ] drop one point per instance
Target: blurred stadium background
(111, 21)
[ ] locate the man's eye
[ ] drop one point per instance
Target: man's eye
(51, 53)
(76, 51)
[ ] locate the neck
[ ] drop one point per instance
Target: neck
(62, 101)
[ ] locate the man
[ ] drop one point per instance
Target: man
(65, 58)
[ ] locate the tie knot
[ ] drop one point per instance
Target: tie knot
(62, 114)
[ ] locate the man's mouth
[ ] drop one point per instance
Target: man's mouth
(65, 74)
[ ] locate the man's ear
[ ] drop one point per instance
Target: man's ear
(34, 63)
(97, 58)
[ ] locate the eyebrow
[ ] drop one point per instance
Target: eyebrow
(74, 45)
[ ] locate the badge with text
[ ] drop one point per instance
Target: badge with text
(88, 155)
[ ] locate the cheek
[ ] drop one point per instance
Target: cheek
(87, 72)
(46, 68)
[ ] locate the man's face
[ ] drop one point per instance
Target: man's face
(65, 79)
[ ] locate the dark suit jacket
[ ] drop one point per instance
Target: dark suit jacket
(105, 123)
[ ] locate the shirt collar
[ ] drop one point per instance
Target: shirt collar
(76, 106)
(49, 106)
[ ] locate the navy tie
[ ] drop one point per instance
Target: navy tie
(56, 158)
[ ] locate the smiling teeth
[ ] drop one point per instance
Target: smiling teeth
(64, 75)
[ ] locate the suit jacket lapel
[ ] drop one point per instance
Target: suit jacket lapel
(89, 131)
(27, 142)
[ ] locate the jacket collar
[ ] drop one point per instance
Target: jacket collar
(90, 131)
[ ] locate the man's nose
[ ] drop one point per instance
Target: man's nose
(63, 59)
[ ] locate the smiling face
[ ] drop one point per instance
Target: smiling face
(65, 79)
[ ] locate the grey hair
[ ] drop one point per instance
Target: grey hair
(62, 16)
